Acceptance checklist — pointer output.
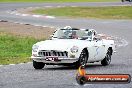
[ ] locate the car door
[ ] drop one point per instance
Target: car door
(91, 51)
(100, 50)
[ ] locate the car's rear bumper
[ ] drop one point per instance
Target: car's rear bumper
(59, 60)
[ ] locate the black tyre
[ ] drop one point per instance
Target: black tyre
(38, 65)
(82, 59)
(107, 59)
(81, 80)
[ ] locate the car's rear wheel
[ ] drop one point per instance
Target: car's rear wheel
(82, 59)
(38, 65)
(107, 59)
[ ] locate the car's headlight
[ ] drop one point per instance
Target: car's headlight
(35, 48)
(74, 49)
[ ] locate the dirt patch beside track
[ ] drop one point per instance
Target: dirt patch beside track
(37, 32)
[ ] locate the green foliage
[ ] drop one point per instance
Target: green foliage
(15, 49)
(117, 12)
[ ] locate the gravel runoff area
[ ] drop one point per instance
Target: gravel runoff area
(37, 32)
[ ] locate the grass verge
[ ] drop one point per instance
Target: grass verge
(117, 12)
(58, 0)
(15, 49)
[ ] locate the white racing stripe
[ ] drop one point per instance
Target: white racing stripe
(48, 6)
(120, 42)
(34, 15)
(25, 14)
(51, 17)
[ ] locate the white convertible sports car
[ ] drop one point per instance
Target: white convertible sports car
(72, 46)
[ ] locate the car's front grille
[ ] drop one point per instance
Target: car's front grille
(53, 53)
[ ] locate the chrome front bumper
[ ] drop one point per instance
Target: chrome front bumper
(59, 60)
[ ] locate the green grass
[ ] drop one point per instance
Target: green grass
(120, 12)
(15, 49)
(58, 0)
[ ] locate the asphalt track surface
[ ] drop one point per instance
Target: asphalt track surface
(25, 76)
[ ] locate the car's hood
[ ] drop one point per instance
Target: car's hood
(59, 44)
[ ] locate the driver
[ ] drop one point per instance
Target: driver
(74, 35)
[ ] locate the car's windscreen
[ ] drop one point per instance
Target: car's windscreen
(71, 34)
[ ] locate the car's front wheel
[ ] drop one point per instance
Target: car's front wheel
(38, 65)
(107, 59)
(82, 59)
